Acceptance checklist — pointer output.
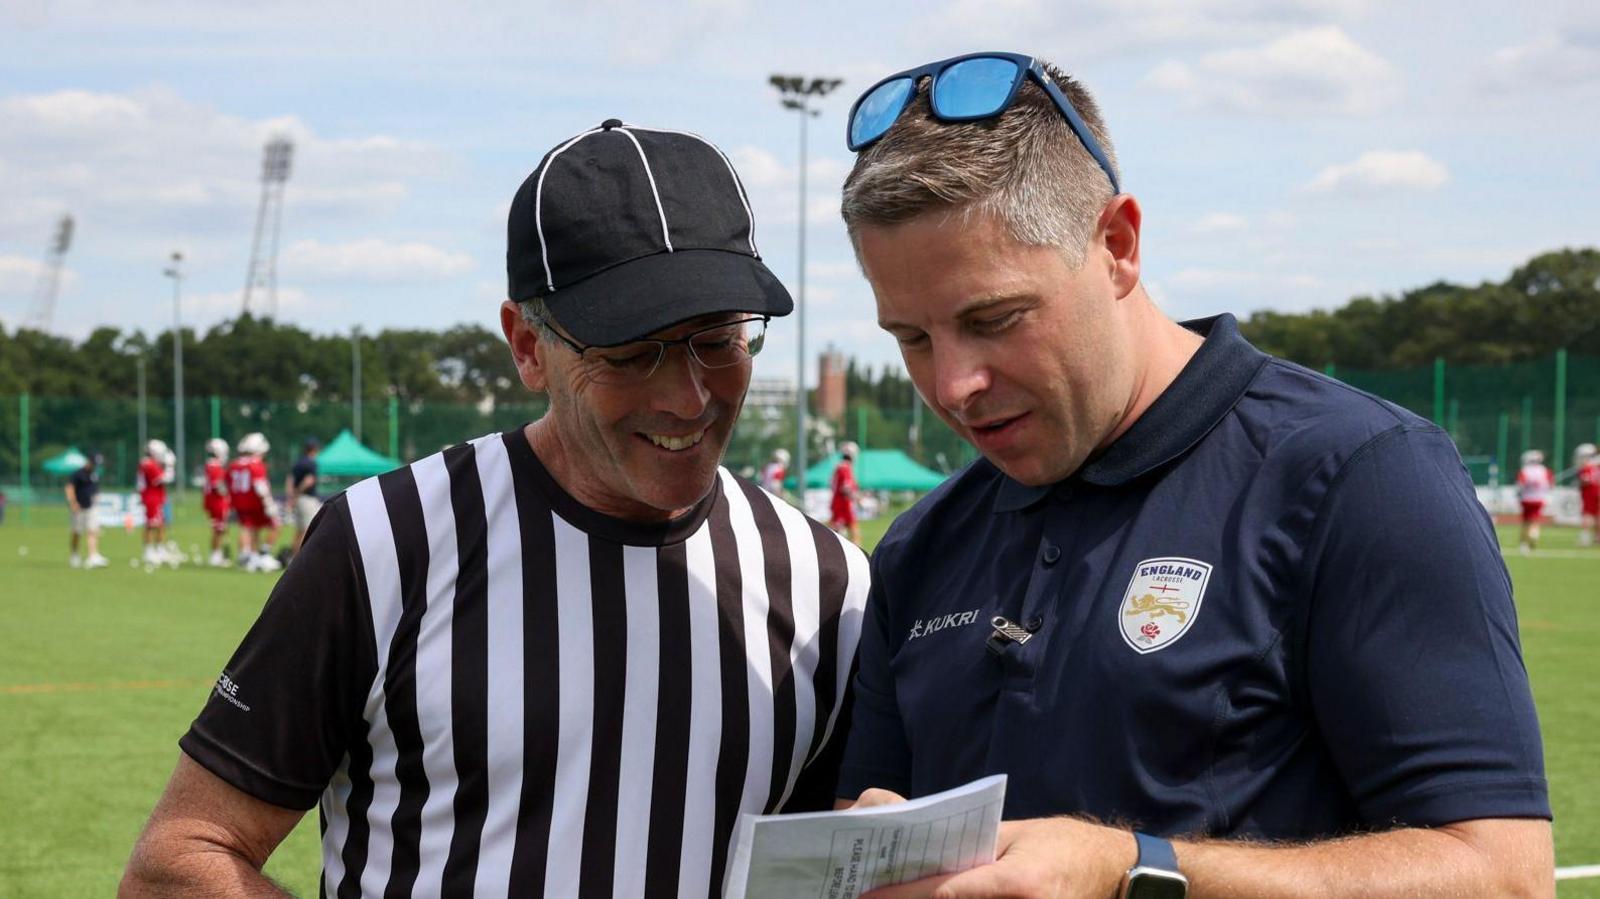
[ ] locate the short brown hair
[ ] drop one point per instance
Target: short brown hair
(1026, 167)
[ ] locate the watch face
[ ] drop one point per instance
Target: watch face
(1148, 885)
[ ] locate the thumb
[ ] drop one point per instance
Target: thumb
(875, 796)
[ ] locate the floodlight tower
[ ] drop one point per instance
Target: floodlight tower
(263, 274)
(175, 272)
(798, 93)
(44, 294)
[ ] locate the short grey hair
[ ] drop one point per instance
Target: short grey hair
(1024, 167)
(537, 314)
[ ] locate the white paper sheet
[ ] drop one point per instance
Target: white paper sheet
(840, 855)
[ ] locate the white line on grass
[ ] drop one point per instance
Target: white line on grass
(1577, 872)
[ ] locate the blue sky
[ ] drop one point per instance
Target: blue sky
(1288, 154)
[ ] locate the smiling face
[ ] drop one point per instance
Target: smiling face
(643, 451)
(1027, 358)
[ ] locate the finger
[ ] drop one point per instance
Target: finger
(982, 882)
(916, 889)
(875, 796)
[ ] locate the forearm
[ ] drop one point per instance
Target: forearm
(195, 868)
(1413, 863)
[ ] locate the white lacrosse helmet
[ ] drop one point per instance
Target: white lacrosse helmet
(156, 449)
(254, 444)
(849, 449)
(781, 455)
(217, 448)
(1584, 452)
(1532, 457)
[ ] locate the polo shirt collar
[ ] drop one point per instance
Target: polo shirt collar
(1207, 388)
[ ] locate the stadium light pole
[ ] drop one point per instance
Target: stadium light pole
(355, 379)
(175, 272)
(798, 93)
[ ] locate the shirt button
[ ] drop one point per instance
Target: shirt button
(1034, 624)
(1051, 554)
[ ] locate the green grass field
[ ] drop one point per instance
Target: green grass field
(101, 672)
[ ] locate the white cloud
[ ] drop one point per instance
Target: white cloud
(1219, 223)
(774, 188)
(1565, 58)
(758, 167)
(152, 162)
(675, 29)
(19, 278)
(1382, 170)
(1315, 71)
(372, 260)
(202, 310)
(1100, 28)
(1213, 279)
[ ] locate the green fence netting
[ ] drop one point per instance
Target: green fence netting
(1493, 413)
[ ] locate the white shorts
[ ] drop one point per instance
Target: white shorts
(84, 521)
(305, 509)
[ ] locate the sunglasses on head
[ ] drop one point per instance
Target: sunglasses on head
(965, 88)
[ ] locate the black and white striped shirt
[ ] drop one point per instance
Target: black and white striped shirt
(495, 690)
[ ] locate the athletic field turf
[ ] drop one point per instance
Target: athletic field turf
(101, 671)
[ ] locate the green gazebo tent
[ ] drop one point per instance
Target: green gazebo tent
(346, 457)
(886, 469)
(64, 464)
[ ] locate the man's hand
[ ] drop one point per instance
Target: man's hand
(1066, 857)
(1058, 858)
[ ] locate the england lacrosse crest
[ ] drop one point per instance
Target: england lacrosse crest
(1162, 602)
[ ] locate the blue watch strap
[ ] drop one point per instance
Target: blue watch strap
(1155, 852)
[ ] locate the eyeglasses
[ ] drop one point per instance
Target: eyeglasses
(965, 89)
(719, 346)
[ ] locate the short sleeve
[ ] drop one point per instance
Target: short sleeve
(877, 754)
(1413, 660)
(279, 719)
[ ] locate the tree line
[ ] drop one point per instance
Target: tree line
(1549, 303)
(266, 360)
(1552, 301)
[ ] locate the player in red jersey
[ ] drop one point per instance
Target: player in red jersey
(251, 495)
(842, 509)
(154, 474)
(216, 498)
(1588, 460)
(1533, 489)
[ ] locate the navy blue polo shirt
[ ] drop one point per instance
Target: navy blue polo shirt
(1272, 608)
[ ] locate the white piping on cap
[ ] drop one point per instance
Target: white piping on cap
(738, 185)
(538, 204)
(665, 235)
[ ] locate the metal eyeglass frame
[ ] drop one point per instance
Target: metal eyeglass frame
(663, 345)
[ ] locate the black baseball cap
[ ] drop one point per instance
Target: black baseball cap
(625, 230)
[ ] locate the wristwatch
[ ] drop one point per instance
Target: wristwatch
(1155, 874)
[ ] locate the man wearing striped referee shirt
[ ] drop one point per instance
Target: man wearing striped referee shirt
(560, 660)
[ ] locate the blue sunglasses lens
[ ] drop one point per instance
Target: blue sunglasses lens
(878, 111)
(973, 88)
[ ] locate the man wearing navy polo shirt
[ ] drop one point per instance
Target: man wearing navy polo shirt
(1191, 592)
